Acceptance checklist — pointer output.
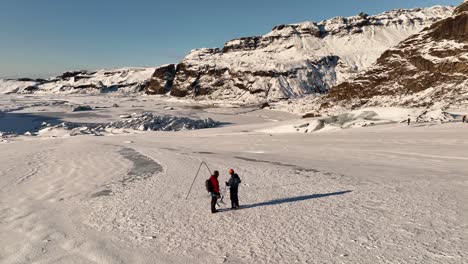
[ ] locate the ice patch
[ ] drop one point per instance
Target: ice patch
(138, 122)
(143, 166)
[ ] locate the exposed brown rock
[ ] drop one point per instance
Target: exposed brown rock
(461, 8)
(161, 80)
(69, 74)
(265, 105)
(406, 69)
(311, 115)
(452, 28)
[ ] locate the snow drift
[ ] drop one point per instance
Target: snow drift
(365, 117)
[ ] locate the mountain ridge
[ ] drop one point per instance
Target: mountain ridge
(292, 60)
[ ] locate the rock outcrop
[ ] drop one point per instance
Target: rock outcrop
(161, 80)
(427, 69)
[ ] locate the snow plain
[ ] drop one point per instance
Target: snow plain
(388, 193)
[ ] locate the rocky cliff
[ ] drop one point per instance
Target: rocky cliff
(429, 69)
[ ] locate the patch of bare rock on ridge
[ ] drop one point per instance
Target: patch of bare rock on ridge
(161, 80)
(426, 70)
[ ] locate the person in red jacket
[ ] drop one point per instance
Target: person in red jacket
(215, 195)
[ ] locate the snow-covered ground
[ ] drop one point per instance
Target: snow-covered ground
(389, 193)
(370, 116)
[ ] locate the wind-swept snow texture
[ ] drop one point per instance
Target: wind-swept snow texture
(383, 194)
(370, 196)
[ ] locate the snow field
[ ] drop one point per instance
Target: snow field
(372, 195)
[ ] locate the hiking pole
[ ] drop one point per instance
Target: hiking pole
(222, 195)
(196, 175)
(207, 167)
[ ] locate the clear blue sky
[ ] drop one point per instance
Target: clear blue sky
(46, 37)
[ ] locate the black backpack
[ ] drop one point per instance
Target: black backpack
(209, 186)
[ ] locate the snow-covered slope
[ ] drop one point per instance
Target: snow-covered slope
(292, 60)
(429, 69)
(125, 80)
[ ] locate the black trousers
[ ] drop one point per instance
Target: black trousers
(234, 197)
(214, 199)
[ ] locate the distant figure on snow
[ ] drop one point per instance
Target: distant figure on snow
(215, 195)
(464, 119)
(233, 184)
(409, 121)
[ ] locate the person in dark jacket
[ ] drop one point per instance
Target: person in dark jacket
(233, 184)
(464, 119)
(215, 195)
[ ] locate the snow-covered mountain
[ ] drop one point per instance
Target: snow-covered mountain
(429, 69)
(125, 80)
(292, 60)
(289, 62)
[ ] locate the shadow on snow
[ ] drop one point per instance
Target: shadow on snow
(294, 199)
(19, 123)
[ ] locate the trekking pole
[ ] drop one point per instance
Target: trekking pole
(207, 167)
(196, 175)
(222, 196)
